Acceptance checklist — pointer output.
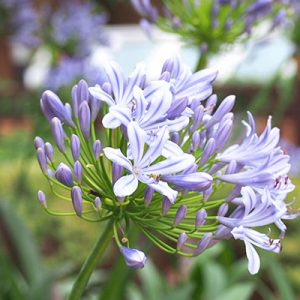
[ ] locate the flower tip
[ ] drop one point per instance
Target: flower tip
(42, 199)
(133, 258)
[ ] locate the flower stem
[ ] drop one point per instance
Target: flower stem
(202, 62)
(91, 262)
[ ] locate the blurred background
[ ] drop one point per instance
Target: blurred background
(53, 44)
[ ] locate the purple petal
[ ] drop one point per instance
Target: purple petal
(163, 188)
(137, 138)
(133, 258)
(171, 165)
(116, 79)
(155, 148)
(193, 182)
(98, 93)
(253, 258)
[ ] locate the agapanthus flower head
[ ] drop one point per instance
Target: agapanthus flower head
(158, 160)
(210, 24)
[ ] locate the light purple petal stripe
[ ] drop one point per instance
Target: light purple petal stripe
(137, 138)
(137, 78)
(117, 80)
(155, 148)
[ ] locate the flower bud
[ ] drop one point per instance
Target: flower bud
(208, 151)
(166, 204)
(38, 142)
(50, 173)
(148, 194)
(180, 215)
(198, 117)
(64, 175)
(49, 151)
(58, 134)
(117, 171)
(97, 203)
(97, 149)
(78, 171)
(133, 258)
(198, 181)
(207, 193)
(225, 107)
(76, 196)
(42, 199)
(200, 218)
(223, 209)
(68, 110)
(52, 107)
(95, 105)
(196, 140)
(223, 134)
(84, 116)
(204, 243)
(182, 238)
(41, 157)
(211, 103)
(83, 91)
(175, 137)
(75, 147)
(75, 100)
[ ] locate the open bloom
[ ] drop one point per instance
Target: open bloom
(159, 159)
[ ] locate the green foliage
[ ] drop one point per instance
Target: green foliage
(296, 33)
(196, 22)
(25, 277)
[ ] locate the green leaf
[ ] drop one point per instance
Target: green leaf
(35, 277)
(241, 291)
(215, 280)
(153, 283)
(278, 277)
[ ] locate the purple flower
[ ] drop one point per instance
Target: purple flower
(133, 258)
(64, 175)
(252, 237)
(141, 169)
(52, 107)
(76, 195)
(163, 184)
(42, 199)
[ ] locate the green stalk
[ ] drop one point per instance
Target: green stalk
(202, 62)
(91, 262)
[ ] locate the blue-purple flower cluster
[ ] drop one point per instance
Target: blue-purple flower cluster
(211, 24)
(71, 32)
(19, 21)
(160, 160)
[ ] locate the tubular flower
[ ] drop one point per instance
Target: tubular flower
(161, 158)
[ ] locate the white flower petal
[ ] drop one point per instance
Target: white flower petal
(253, 258)
(116, 156)
(126, 185)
